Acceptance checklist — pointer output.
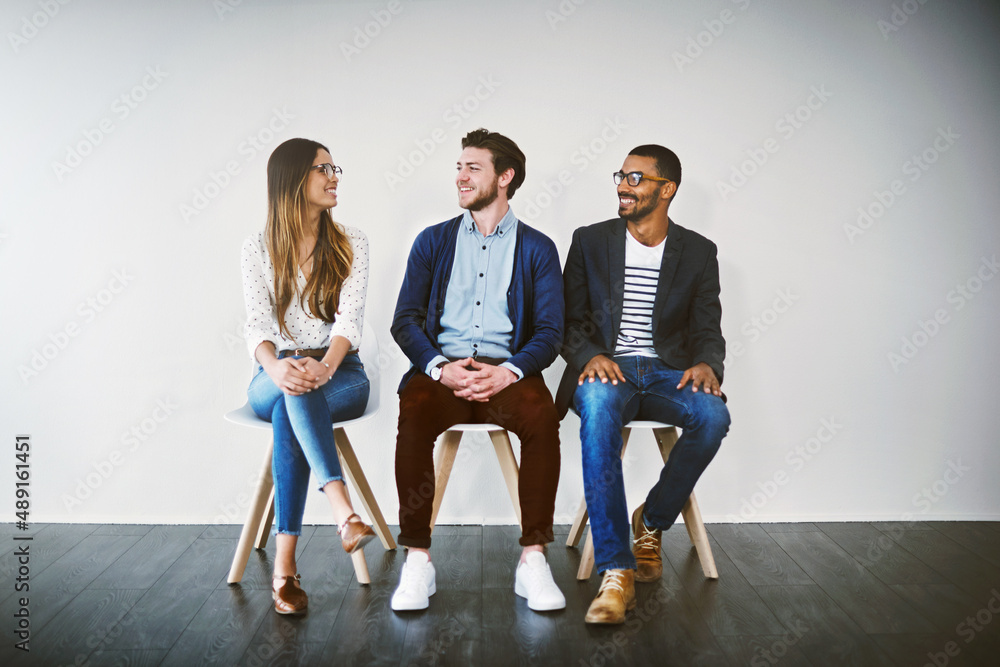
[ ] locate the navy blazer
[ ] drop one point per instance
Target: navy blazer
(687, 313)
(534, 298)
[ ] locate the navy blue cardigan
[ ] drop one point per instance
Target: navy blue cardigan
(534, 298)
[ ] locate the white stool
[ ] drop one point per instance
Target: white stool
(261, 513)
(447, 449)
(666, 437)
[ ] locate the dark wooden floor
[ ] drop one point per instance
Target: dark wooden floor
(788, 594)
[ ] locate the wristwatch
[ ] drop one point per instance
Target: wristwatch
(436, 371)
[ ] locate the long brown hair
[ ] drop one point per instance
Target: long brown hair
(287, 172)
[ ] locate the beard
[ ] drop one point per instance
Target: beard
(486, 198)
(643, 207)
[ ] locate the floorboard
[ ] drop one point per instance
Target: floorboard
(757, 556)
(870, 603)
(94, 615)
(730, 605)
(788, 594)
(881, 555)
(367, 631)
(72, 572)
(956, 562)
(222, 629)
(803, 527)
(48, 544)
(819, 628)
(146, 561)
(763, 650)
(982, 539)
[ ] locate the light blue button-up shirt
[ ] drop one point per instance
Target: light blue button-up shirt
(475, 321)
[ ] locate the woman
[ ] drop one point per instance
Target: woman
(304, 282)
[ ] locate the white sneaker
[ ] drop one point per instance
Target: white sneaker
(416, 583)
(533, 580)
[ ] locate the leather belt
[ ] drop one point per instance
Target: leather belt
(317, 354)
(492, 361)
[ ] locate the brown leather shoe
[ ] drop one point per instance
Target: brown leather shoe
(355, 534)
(289, 598)
(615, 597)
(646, 548)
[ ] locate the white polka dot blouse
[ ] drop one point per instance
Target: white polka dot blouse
(309, 332)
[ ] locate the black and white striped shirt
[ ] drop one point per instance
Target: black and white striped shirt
(642, 273)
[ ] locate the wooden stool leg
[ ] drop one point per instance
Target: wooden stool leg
(265, 486)
(586, 558)
(443, 463)
(699, 537)
(508, 466)
(666, 438)
(579, 525)
(267, 522)
(352, 468)
(361, 567)
(358, 557)
(626, 434)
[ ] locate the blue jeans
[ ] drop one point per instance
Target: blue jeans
(303, 437)
(649, 392)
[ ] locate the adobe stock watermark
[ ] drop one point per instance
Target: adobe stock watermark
(220, 179)
(912, 169)
(121, 108)
(562, 12)
(364, 34)
(900, 14)
(33, 23)
(796, 459)
(585, 155)
(434, 650)
(772, 655)
(87, 311)
(956, 299)
(607, 479)
(698, 43)
(968, 628)
(223, 7)
(786, 126)
(235, 511)
(98, 640)
(130, 441)
(236, 336)
(924, 500)
(756, 326)
(453, 116)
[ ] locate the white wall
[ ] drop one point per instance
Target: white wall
(576, 84)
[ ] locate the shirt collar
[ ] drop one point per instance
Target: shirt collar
(506, 225)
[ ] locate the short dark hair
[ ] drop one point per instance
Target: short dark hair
(506, 154)
(667, 162)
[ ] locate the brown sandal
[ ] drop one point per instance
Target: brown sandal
(354, 534)
(289, 598)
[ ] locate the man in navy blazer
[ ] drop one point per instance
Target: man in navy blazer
(643, 341)
(480, 315)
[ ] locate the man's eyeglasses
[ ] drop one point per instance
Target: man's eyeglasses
(331, 169)
(634, 177)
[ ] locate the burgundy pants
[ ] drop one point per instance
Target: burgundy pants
(428, 408)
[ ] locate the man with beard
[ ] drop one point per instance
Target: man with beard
(643, 341)
(480, 315)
